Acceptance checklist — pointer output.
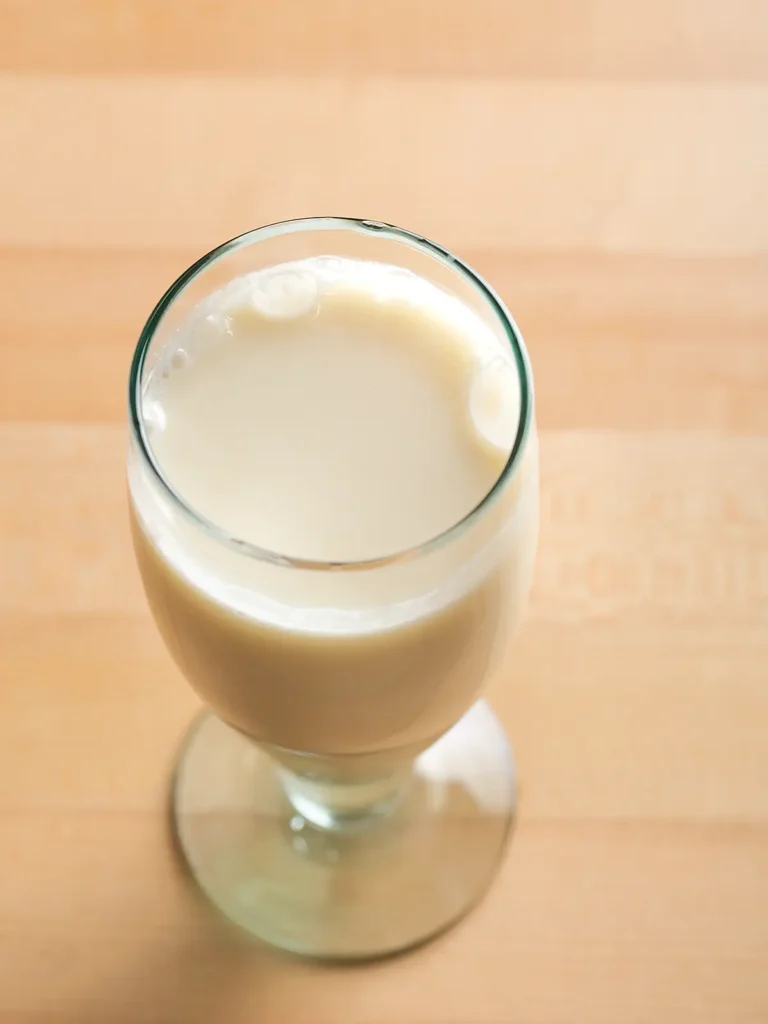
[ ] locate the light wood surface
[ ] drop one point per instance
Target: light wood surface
(605, 164)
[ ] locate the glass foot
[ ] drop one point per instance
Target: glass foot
(341, 894)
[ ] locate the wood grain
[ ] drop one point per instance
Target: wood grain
(647, 39)
(627, 919)
(677, 341)
(110, 161)
(604, 165)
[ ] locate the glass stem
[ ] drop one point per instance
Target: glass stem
(344, 805)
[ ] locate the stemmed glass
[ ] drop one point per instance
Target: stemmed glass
(349, 795)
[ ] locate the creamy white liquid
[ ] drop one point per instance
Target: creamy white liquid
(341, 411)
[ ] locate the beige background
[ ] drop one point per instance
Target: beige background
(605, 164)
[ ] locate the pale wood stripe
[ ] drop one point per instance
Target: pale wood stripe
(148, 161)
(66, 357)
(576, 904)
(663, 525)
(64, 521)
(65, 673)
(624, 719)
(657, 525)
(552, 38)
(617, 341)
(599, 730)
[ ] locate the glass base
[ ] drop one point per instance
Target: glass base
(328, 892)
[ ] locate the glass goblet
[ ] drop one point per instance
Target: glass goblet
(349, 794)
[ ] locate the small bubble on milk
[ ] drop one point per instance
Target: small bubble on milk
(179, 359)
(284, 294)
(494, 403)
(154, 415)
(206, 329)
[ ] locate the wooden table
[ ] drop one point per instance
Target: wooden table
(605, 164)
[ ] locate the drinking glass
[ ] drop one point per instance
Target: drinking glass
(348, 795)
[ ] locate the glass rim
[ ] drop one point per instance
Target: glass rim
(371, 227)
